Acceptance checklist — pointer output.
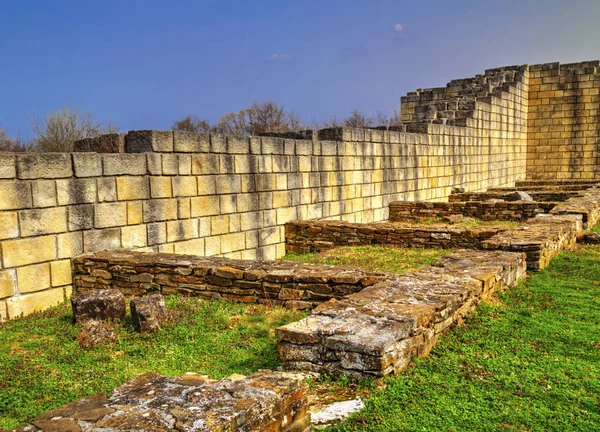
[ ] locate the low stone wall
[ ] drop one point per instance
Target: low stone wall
(537, 195)
(264, 401)
(316, 236)
(377, 331)
(403, 211)
(586, 204)
(289, 284)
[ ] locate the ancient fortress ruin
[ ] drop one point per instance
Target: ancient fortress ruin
(116, 212)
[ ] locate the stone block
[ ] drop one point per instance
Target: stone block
(134, 213)
(33, 278)
(87, 164)
(189, 247)
(228, 184)
(149, 313)
(205, 164)
(94, 240)
(107, 189)
(170, 164)
(81, 217)
(154, 161)
(218, 143)
(60, 272)
(233, 242)
(15, 195)
(157, 233)
(69, 244)
(133, 236)
(124, 164)
(182, 230)
(212, 246)
(160, 187)
(108, 143)
(29, 303)
(185, 164)
(28, 251)
(110, 214)
(76, 191)
(206, 185)
(8, 165)
(92, 334)
(219, 225)
(132, 188)
(251, 221)
(157, 210)
(44, 193)
(9, 225)
(226, 164)
(185, 186)
(191, 142)
(145, 141)
(184, 208)
(98, 304)
(205, 206)
(8, 283)
(227, 204)
(44, 165)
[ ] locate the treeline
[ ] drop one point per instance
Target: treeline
(58, 131)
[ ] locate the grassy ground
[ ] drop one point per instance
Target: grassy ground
(396, 260)
(530, 362)
(42, 367)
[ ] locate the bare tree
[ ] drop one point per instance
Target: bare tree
(356, 119)
(58, 131)
(9, 144)
(192, 123)
(259, 118)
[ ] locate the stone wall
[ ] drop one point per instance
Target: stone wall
(564, 121)
(280, 283)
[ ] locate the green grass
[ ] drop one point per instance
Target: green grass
(42, 366)
(596, 228)
(397, 260)
(529, 362)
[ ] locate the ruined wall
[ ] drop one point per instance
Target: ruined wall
(564, 122)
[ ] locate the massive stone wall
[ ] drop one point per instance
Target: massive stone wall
(563, 122)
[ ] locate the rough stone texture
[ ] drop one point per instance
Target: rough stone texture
(109, 143)
(98, 304)
(94, 333)
(148, 313)
(490, 211)
(376, 331)
(589, 238)
(545, 195)
(264, 401)
(295, 285)
(586, 204)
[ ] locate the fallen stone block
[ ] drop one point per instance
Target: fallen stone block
(264, 401)
(98, 304)
(95, 333)
(148, 313)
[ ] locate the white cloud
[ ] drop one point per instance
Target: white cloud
(398, 28)
(279, 57)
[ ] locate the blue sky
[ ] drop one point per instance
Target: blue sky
(144, 64)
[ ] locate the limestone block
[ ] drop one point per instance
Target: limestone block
(157, 233)
(109, 238)
(191, 142)
(9, 225)
(212, 246)
(244, 164)
(98, 304)
(134, 213)
(107, 189)
(60, 272)
(205, 206)
(8, 283)
(148, 313)
(160, 187)
(154, 161)
(132, 188)
(15, 195)
(286, 214)
(185, 164)
(182, 230)
(206, 185)
(272, 145)
(124, 164)
(87, 164)
(185, 186)
(233, 242)
(44, 193)
(81, 217)
(76, 191)
(29, 303)
(189, 247)
(110, 214)
(170, 164)
(69, 244)
(251, 221)
(156, 210)
(219, 225)
(237, 145)
(28, 251)
(205, 164)
(33, 278)
(226, 164)
(227, 204)
(133, 236)
(184, 208)
(7, 166)
(44, 165)
(218, 143)
(246, 203)
(145, 141)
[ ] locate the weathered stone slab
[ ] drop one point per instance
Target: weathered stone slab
(98, 304)
(95, 333)
(264, 401)
(148, 313)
